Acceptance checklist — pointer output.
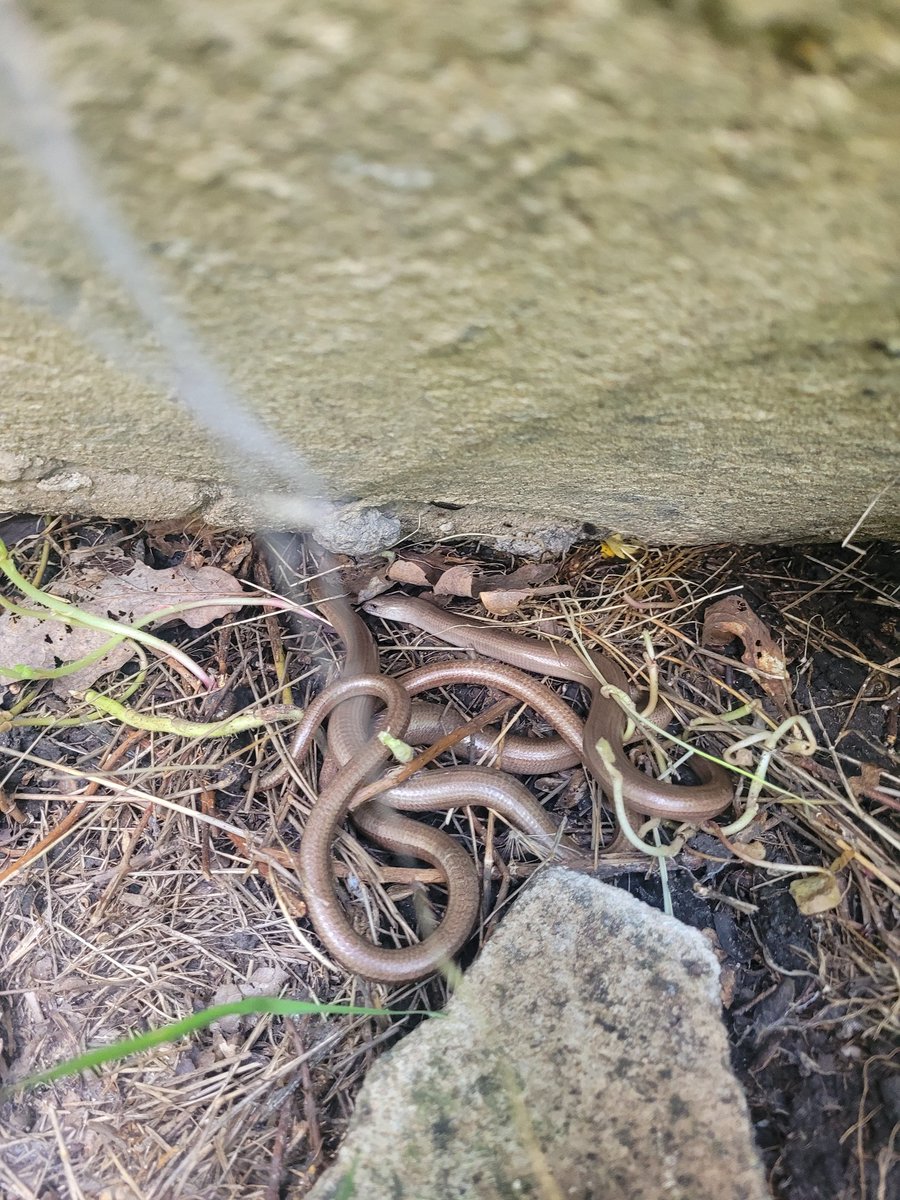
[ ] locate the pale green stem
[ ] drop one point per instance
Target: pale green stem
(161, 614)
(663, 876)
(68, 612)
(605, 750)
(239, 723)
(624, 700)
(13, 720)
(743, 820)
(751, 708)
(652, 676)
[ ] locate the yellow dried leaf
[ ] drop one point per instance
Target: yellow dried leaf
(615, 546)
(816, 893)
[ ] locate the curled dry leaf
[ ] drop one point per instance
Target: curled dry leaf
(455, 581)
(363, 579)
(168, 537)
(377, 583)
(422, 568)
(467, 581)
(733, 617)
(408, 570)
(501, 603)
(237, 555)
(502, 594)
(531, 575)
(867, 783)
(123, 591)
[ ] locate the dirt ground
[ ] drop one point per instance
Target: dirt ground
(144, 874)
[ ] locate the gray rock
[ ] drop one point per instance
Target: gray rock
(356, 529)
(519, 267)
(583, 1056)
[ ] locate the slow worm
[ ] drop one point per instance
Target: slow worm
(517, 754)
(359, 756)
(388, 829)
(350, 704)
(695, 803)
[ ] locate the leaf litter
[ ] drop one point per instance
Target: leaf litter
(732, 617)
(123, 589)
(167, 908)
(500, 593)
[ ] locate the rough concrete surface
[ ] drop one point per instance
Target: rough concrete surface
(583, 1057)
(496, 268)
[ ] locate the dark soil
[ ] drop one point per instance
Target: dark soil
(823, 1085)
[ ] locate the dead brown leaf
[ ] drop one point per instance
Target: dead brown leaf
(43, 645)
(530, 575)
(501, 603)
(422, 568)
(237, 555)
(455, 581)
(167, 537)
(409, 570)
(733, 617)
(867, 783)
(502, 594)
(110, 585)
(142, 590)
(377, 583)
(362, 579)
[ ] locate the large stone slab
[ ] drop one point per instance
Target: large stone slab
(582, 1056)
(550, 263)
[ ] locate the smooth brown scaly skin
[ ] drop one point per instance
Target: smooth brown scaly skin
(513, 753)
(605, 718)
(385, 826)
(359, 757)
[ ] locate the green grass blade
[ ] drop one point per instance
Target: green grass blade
(277, 1005)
